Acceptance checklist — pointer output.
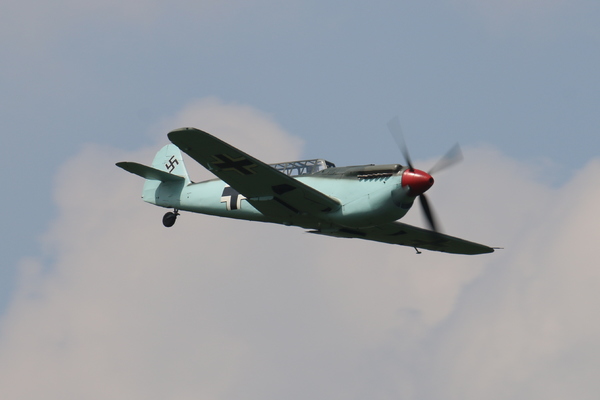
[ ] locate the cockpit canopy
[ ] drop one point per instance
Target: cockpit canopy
(295, 168)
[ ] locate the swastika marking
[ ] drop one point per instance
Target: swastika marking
(170, 166)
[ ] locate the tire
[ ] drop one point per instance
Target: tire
(169, 219)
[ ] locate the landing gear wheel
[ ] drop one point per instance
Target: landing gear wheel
(170, 218)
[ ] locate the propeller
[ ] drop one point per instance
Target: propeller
(431, 219)
(419, 181)
(396, 131)
(452, 156)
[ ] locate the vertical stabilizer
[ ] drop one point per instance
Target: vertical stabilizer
(166, 193)
(169, 159)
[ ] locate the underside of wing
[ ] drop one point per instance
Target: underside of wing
(408, 235)
(267, 189)
(148, 172)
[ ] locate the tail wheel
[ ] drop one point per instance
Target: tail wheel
(170, 218)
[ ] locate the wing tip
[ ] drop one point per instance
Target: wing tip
(124, 164)
(183, 130)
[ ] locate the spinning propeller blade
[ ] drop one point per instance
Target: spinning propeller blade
(453, 156)
(418, 181)
(428, 213)
(396, 131)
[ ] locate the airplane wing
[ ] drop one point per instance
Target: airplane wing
(408, 235)
(268, 190)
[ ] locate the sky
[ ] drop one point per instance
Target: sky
(98, 300)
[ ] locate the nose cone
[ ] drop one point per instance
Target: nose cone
(417, 181)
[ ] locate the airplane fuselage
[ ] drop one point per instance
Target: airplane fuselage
(368, 196)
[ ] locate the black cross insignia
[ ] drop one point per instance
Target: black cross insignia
(232, 198)
(171, 165)
(240, 164)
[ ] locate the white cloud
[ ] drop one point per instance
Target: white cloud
(525, 328)
(220, 309)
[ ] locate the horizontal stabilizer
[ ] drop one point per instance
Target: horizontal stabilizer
(148, 172)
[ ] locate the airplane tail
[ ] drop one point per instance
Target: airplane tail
(165, 179)
(169, 159)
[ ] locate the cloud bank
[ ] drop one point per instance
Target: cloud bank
(120, 307)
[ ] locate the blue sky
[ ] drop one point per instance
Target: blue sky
(515, 82)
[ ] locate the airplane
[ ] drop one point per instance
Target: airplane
(363, 202)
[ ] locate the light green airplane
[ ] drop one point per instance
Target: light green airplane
(362, 202)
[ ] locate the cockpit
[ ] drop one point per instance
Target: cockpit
(296, 168)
